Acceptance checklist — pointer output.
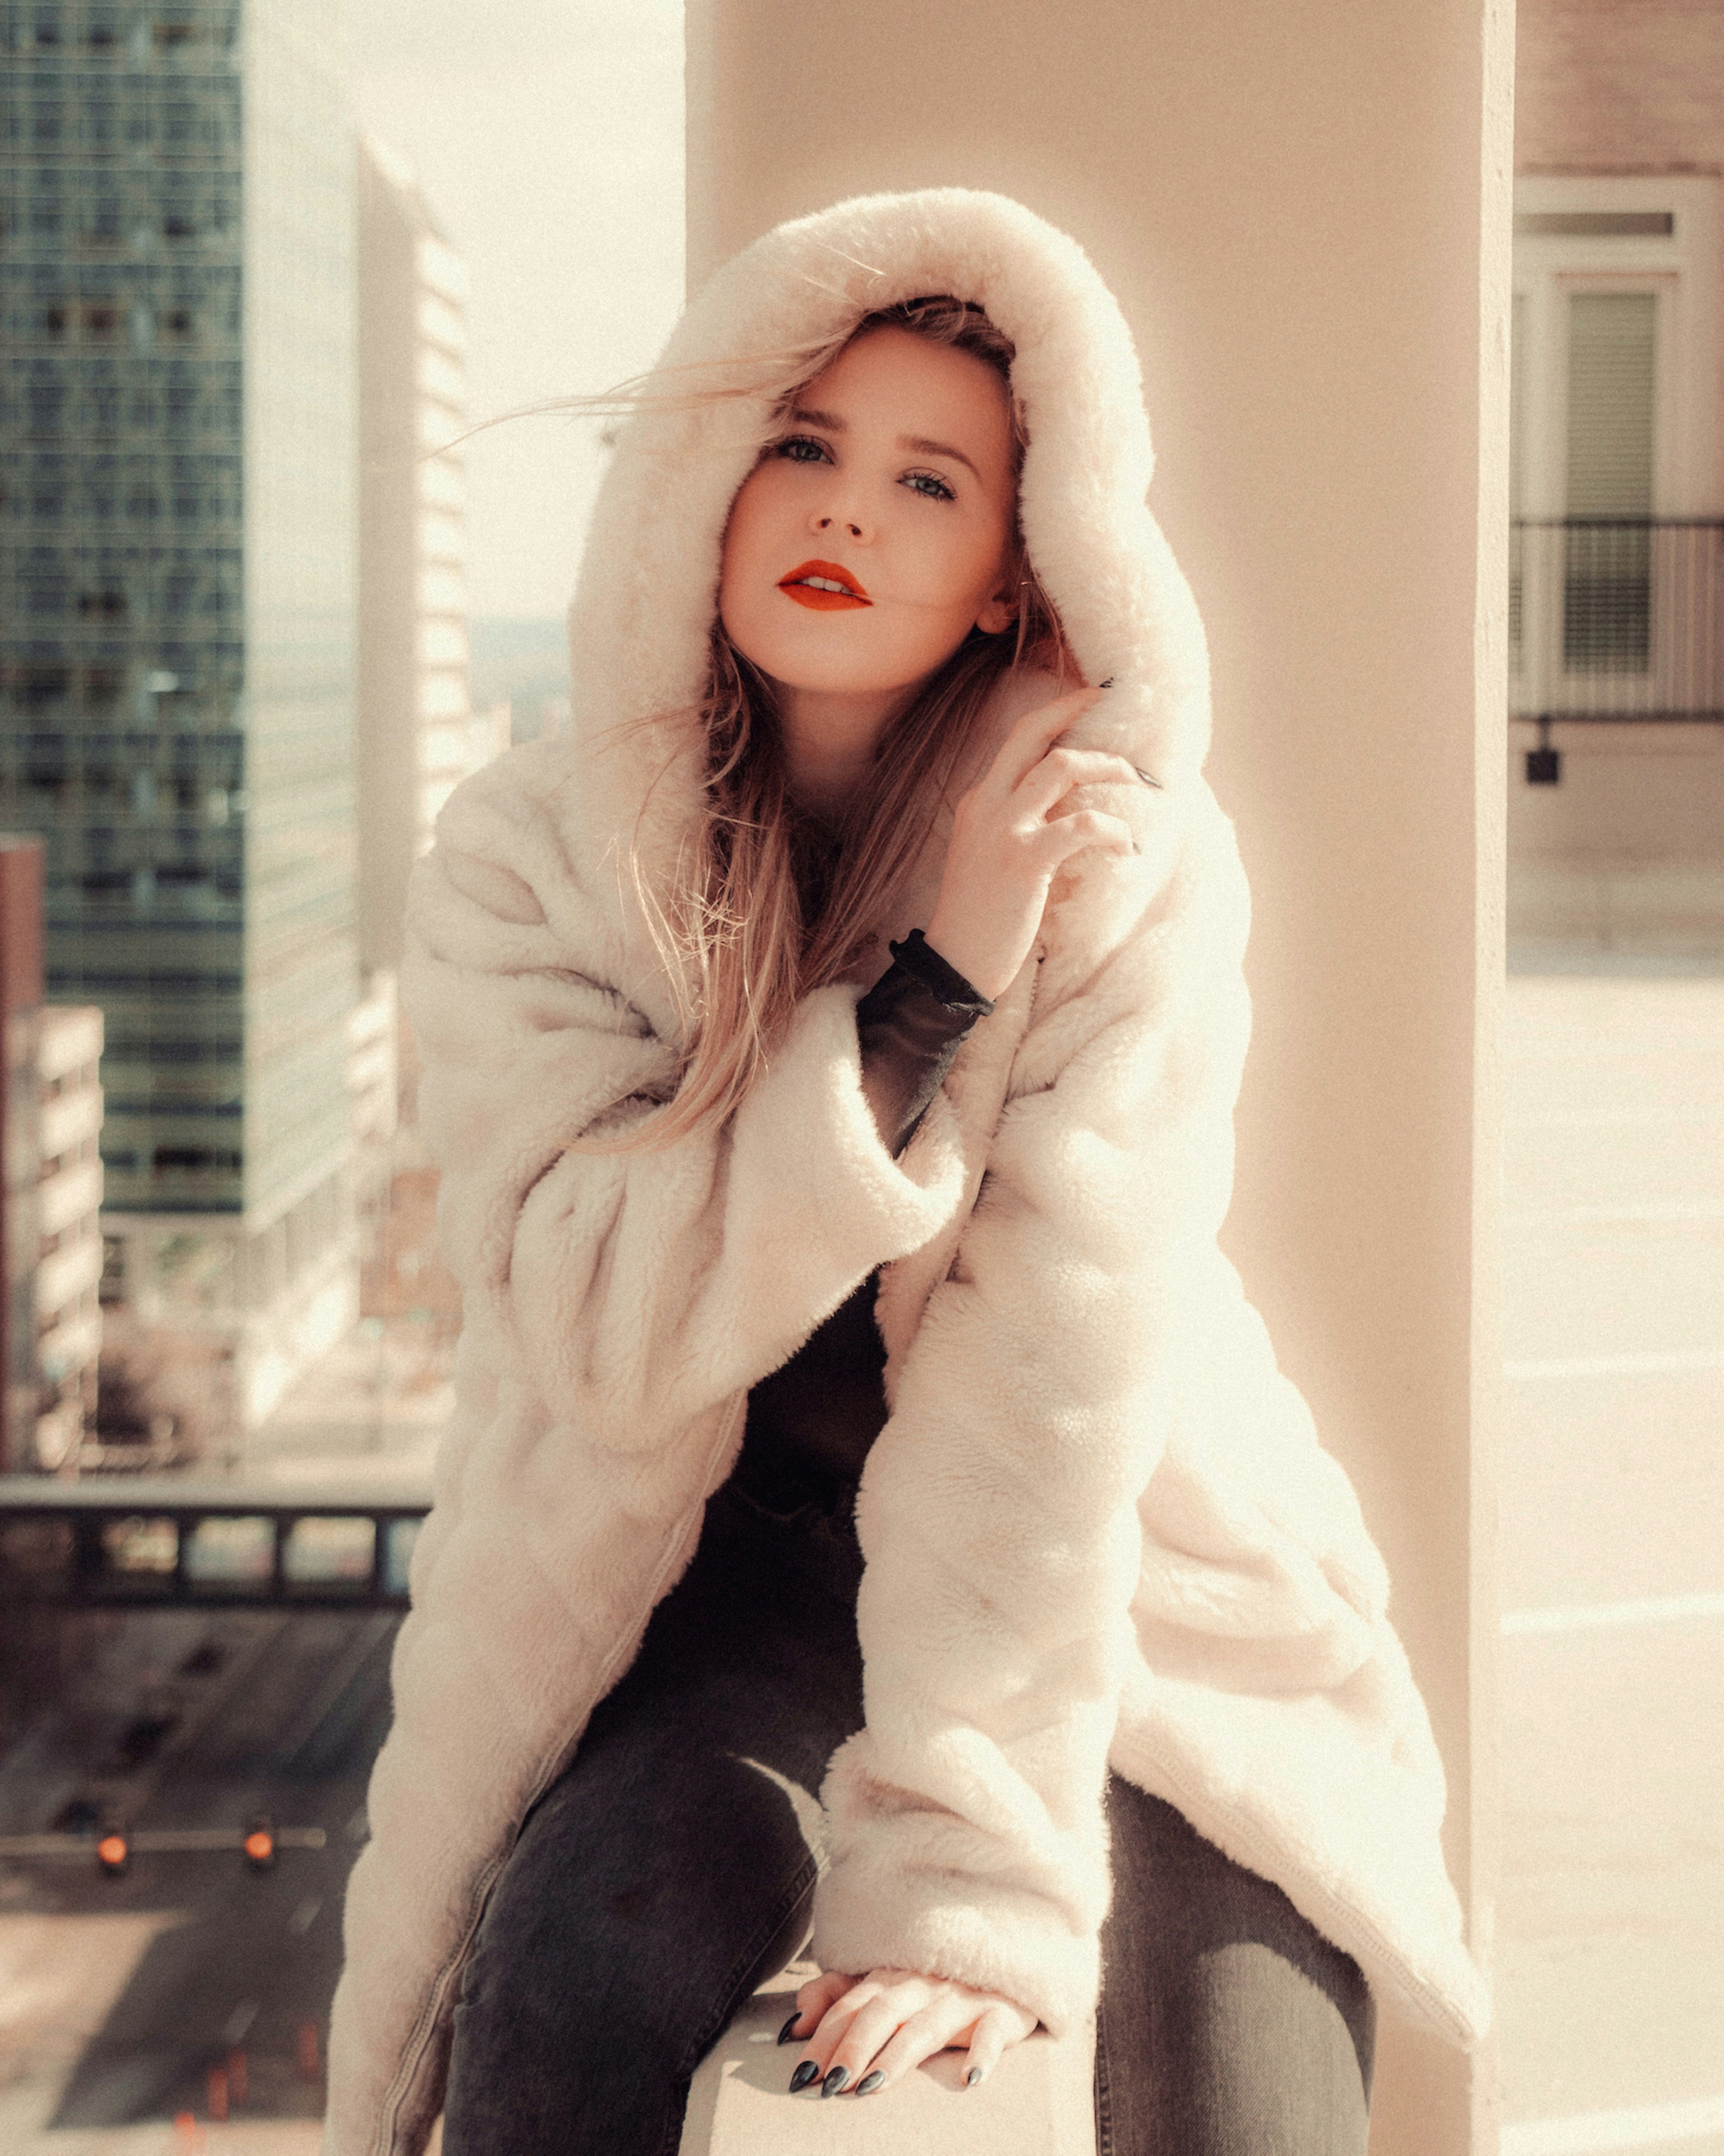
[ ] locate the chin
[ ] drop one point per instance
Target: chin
(829, 663)
(844, 680)
(831, 670)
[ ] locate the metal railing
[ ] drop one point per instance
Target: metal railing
(1616, 617)
(160, 1542)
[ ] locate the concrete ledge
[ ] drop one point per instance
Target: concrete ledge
(1037, 2103)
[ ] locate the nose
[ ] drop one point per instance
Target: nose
(846, 523)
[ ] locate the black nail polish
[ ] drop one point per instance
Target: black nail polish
(869, 2082)
(803, 2074)
(835, 2081)
(784, 2033)
(973, 2075)
(1107, 684)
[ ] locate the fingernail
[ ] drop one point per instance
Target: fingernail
(869, 2082)
(1107, 684)
(973, 2075)
(784, 2033)
(1146, 778)
(835, 2081)
(803, 2074)
(1136, 848)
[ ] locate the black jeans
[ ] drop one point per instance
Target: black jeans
(666, 1874)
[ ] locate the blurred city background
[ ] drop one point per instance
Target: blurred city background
(264, 602)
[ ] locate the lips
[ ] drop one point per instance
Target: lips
(824, 586)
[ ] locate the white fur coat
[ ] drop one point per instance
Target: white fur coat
(1098, 1525)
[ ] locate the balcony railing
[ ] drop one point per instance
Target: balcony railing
(1616, 617)
(122, 1542)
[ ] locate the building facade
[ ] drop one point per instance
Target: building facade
(20, 1146)
(419, 734)
(177, 630)
(1616, 779)
(50, 1232)
(69, 1269)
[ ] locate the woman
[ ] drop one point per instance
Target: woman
(830, 1051)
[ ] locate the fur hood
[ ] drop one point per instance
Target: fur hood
(1098, 1525)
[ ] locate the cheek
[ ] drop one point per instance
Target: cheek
(742, 530)
(951, 582)
(741, 540)
(746, 596)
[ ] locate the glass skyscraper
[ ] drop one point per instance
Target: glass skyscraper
(177, 626)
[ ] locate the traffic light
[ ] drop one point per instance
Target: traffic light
(113, 1852)
(259, 1843)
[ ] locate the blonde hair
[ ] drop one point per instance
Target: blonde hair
(760, 910)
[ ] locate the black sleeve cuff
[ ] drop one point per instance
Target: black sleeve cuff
(944, 982)
(909, 1026)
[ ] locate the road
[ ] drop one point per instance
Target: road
(119, 1996)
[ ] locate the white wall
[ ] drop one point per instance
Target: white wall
(1303, 206)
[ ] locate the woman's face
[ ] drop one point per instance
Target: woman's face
(892, 478)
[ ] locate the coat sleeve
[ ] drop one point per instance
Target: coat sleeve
(998, 1508)
(633, 1290)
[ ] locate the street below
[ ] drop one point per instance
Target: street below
(194, 1983)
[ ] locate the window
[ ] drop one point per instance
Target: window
(196, 1160)
(1613, 395)
(39, 685)
(1613, 442)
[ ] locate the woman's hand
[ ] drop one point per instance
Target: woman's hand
(869, 2032)
(1010, 837)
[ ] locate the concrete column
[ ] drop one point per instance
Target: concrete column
(1303, 208)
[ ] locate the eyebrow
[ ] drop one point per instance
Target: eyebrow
(834, 425)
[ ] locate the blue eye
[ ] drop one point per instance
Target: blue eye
(937, 489)
(793, 444)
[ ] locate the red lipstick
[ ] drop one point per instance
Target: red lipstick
(820, 594)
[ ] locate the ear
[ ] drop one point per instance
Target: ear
(1000, 610)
